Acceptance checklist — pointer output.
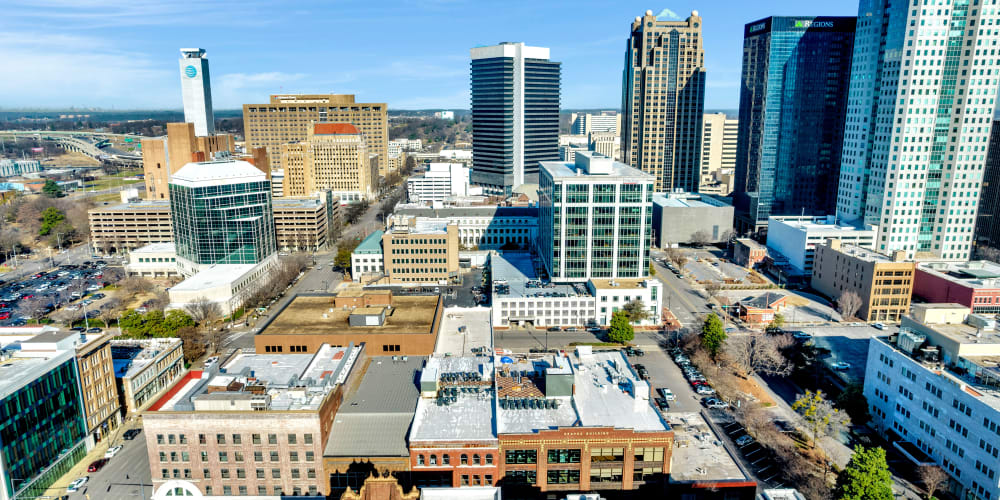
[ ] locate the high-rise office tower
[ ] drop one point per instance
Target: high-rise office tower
(923, 88)
(793, 101)
(718, 152)
(988, 219)
(334, 157)
(663, 98)
(162, 156)
(196, 89)
(515, 114)
(289, 118)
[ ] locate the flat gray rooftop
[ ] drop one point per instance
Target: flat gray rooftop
(375, 420)
(17, 372)
(517, 269)
(471, 417)
(698, 454)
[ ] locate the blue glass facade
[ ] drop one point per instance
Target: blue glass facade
(223, 223)
(793, 102)
(41, 426)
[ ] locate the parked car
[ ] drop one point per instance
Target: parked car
(744, 440)
(878, 326)
(94, 330)
(553, 328)
(715, 403)
(704, 390)
(572, 329)
(96, 465)
(634, 351)
(77, 484)
(113, 451)
(841, 365)
(661, 404)
(97, 296)
(801, 336)
(131, 434)
(666, 394)
(211, 362)
(4, 314)
(93, 288)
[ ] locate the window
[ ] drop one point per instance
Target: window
(521, 477)
(276, 473)
(220, 439)
(183, 438)
(241, 473)
(272, 439)
(434, 459)
(420, 460)
(159, 439)
(292, 439)
(611, 475)
(185, 456)
(565, 456)
(293, 456)
(521, 457)
(489, 459)
(646, 473)
(237, 439)
(225, 473)
(223, 456)
(649, 454)
(465, 459)
(227, 490)
(445, 459)
(311, 473)
(260, 473)
(258, 456)
(243, 491)
(262, 490)
(206, 474)
(607, 454)
(476, 460)
(562, 476)
(465, 479)
(255, 438)
(310, 456)
(295, 474)
(307, 438)
(274, 456)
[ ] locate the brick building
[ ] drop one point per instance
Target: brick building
(256, 427)
(973, 284)
(884, 284)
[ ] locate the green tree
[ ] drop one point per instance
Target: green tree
(51, 217)
(621, 330)
(652, 270)
(131, 323)
(853, 401)
(777, 323)
(52, 189)
(713, 335)
(820, 414)
(866, 476)
(636, 311)
(176, 319)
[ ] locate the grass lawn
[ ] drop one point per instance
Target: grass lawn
(110, 182)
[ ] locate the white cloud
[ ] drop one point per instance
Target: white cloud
(72, 70)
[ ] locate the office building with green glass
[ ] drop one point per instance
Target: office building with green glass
(42, 427)
(221, 213)
(595, 219)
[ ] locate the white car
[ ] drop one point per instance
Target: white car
(667, 394)
(93, 288)
(841, 365)
(211, 362)
(705, 390)
(878, 326)
(77, 484)
(112, 451)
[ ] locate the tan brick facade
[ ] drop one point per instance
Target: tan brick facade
(97, 382)
(412, 256)
(884, 284)
(162, 156)
(288, 118)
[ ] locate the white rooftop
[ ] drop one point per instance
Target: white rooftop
(476, 331)
(131, 356)
(17, 372)
(212, 173)
(604, 169)
(608, 392)
(215, 276)
(157, 248)
(470, 418)
(819, 224)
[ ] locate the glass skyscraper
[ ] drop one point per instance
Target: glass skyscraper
(221, 213)
(42, 428)
(793, 101)
(515, 114)
(923, 89)
(595, 219)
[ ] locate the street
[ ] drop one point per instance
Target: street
(687, 303)
(119, 479)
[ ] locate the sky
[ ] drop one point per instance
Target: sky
(411, 54)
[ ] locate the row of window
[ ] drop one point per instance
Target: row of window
(258, 456)
(262, 490)
(234, 438)
(572, 456)
(487, 459)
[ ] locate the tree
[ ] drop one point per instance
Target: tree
(203, 310)
(849, 304)
(636, 311)
(727, 235)
(355, 211)
(52, 189)
(819, 414)
(193, 343)
(866, 476)
(988, 253)
(50, 217)
(676, 257)
(932, 477)
(757, 352)
(713, 288)
(409, 165)
(34, 308)
(852, 400)
(621, 330)
(652, 269)
(701, 238)
(776, 324)
(713, 335)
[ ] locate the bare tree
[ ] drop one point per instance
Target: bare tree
(849, 304)
(34, 308)
(758, 352)
(676, 257)
(932, 477)
(203, 310)
(728, 235)
(988, 253)
(194, 342)
(701, 238)
(713, 288)
(135, 285)
(819, 414)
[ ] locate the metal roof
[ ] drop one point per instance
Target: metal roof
(371, 244)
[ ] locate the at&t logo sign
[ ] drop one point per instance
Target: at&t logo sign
(190, 72)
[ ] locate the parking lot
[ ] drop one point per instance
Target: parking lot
(70, 287)
(847, 343)
(663, 372)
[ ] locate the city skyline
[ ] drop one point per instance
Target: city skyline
(410, 67)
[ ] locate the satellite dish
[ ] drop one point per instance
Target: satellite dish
(507, 360)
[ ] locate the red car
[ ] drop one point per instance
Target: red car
(96, 466)
(4, 314)
(29, 296)
(696, 383)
